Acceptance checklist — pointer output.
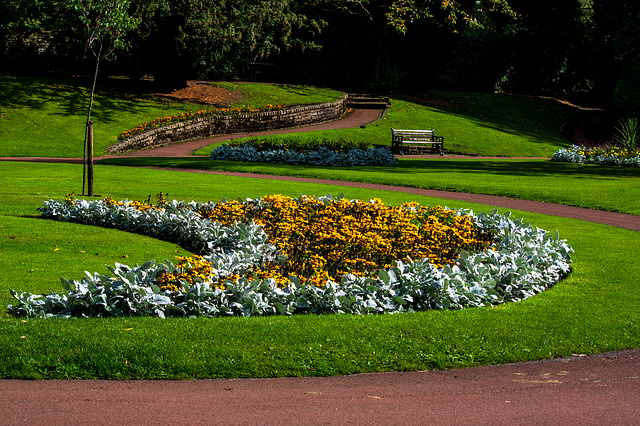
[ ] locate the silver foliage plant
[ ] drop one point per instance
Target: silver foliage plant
(573, 154)
(320, 157)
(523, 261)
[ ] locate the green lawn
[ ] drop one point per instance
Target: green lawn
(42, 117)
(594, 310)
(255, 95)
(467, 131)
(590, 186)
(45, 118)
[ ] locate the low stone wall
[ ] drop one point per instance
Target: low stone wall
(205, 127)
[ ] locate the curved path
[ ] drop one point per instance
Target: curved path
(599, 389)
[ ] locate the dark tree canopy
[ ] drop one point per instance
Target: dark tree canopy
(582, 49)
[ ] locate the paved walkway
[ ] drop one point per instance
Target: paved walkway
(600, 389)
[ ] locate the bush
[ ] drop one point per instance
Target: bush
(628, 134)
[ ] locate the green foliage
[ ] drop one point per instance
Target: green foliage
(106, 23)
(453, 15)
(301, 145)
(628, 134)
(217, 39)
(627, 91)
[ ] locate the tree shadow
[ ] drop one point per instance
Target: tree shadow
(540, 120)
(72, 96)
(513, 168)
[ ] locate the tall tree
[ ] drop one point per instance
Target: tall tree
(387, 19)
(105, 24)
(216, 39)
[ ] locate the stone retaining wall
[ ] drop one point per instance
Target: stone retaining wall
(205, 127)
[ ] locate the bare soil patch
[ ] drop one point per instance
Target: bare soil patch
(205, 94)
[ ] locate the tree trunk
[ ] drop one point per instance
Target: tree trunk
(88, 140)
(90, 159)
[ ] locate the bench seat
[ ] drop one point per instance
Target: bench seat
(400, 137)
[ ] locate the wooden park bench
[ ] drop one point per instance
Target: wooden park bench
(401, 137)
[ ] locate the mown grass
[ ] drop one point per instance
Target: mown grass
(529, 127)
(256, 95)
(594, 310)
(590, 186)
(43, 117)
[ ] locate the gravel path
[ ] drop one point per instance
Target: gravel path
(600, 389)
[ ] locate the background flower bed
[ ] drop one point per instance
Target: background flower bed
(186, 116)
(314, 155)
(607, 156)
(523, 261)
(300, 145)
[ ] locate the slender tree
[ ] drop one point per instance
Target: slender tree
(105, 23)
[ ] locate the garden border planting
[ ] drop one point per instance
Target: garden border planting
(321, 156)
(202, 127)
(604, 156)
(523, 261)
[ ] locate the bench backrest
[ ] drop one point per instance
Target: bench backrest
(408, 135)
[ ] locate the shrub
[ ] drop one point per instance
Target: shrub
(628, 134)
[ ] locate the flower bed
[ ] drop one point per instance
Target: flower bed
(315, 154)
(300, 145)
(186, 116)
(607, 155)
(277, 255)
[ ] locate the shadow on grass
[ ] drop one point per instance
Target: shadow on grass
(529, 168)
(537, 119)
(515, 167)
(71, 97)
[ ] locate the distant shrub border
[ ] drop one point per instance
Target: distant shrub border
(606, 156)
(522, 261)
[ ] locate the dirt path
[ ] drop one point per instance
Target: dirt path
(600, 389)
